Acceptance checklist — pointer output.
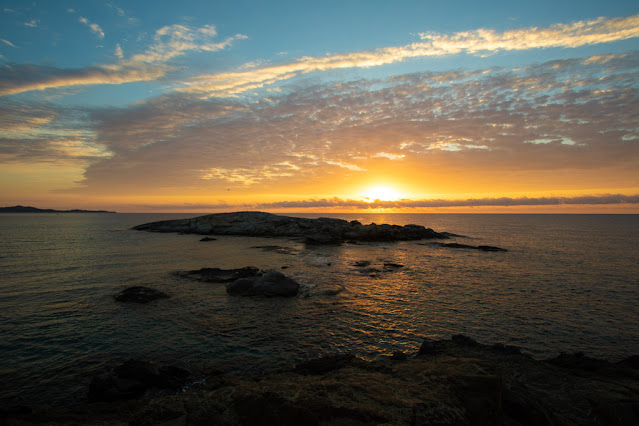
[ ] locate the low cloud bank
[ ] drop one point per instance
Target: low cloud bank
(471, 202)
(433, 203)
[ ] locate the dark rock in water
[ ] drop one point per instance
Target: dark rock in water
(361, 263)
(427, 348)
(324, 364)
(399, 356)
(208, 239)
(140, 294)
(132, 378)
(312, 231)
(578, 361)
(271, 284)
(279, 249)
(389, 266)
(217, 275)
(334, 290)
(466, 246)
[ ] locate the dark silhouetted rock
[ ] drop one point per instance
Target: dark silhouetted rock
(578, 361)
(399, 356)
(460, 382)
(208, 239)
(271, 284)
(361, 263)
(324, 364)
(312, 231)
(217, 275)
(132, 378)
(140, 294)
(279, 249)
(466, 246)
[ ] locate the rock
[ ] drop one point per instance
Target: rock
(140, 294)
(271, 284)
(132, 378)
(399, 356)
(312, 231)
(324, 364)
(208, 239)
(217, 275)
(460, 382)
(361, 263)
(578, 361)
(465, 246)
(278, 249)
(333, 291)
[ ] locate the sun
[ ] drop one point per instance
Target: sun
(381, 193)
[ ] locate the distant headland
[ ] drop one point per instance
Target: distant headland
(27, 209)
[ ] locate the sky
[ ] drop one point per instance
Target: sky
(332, 106)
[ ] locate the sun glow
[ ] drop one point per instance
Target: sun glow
(381, 193)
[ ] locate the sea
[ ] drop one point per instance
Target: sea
(568, 283)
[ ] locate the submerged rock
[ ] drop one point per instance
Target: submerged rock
(208, 239)
(312, 231)
(132, 378)
(217, 275)
(140, 294)
(466, 246)
(271, 284)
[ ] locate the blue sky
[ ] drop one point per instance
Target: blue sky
(88, 87)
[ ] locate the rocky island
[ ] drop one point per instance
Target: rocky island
(29, 209)
(318, 231)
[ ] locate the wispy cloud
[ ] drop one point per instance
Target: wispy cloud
(580, 33)
(7, 42)
(32, 23)
(176, 40)
(95, 28)
(601, 30)
(118, 51)
(169, 43)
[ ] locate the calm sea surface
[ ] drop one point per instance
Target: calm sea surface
(568, 283)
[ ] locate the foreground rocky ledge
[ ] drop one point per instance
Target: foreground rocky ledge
(449, 382)
(321, 230)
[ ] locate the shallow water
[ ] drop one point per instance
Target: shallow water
(568, 283)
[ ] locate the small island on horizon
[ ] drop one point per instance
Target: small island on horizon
(29, 209)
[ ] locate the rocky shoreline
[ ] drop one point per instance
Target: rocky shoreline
(323, 230)
(448, 382)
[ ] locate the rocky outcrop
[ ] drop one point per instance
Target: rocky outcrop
(312, 231)
(271, 284)
(450, 382)
(140, 294)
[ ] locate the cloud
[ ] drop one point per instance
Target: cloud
(442, 126)
(45, 133)
(7, 42)
(23, 78)
(471, 202)
(581, 33)
(576, 34)
(118, 51)
(169, 43)
(176, 40)
(32, 23)
(95, 28)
